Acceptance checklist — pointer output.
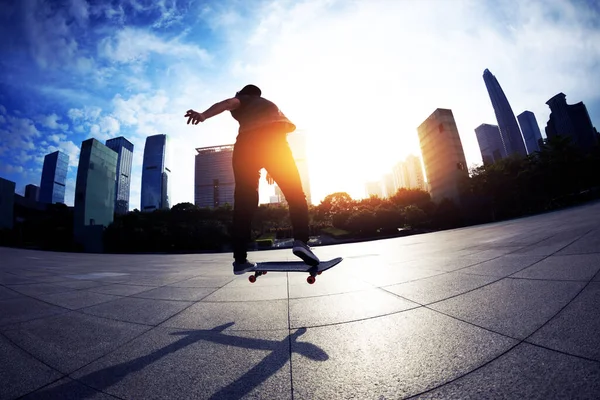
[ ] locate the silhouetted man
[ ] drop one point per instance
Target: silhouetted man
(261, 143)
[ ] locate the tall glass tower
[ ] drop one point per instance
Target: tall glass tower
(155, 174)
(531, 131)
(94, 194)
(509, 129)
(54, 178)
(214, 183)
(490, 143)
(124, 150)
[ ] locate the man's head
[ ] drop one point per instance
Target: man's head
(250, 90)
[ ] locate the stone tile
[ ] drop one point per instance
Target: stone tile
(253, 292)
(513, 307)
(575, 329)
(391, 357)
(20, 373)
(249, 315)
(555, 243)
(68, 389)
(36, 289)
(121, 289)
(79, 284)
(391, 275)
(204, 281)
(570, 267)
(69, 341)
(76, 299)
(6, 293)
(503, 266)
(589, 243)
(440, 287)
(345, 307)
(221, 365)
(526, 372)
(329, 282)
(141, 311)
(12, 279)
(176, 293)
(21, 309)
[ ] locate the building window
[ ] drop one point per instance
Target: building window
(441, 127)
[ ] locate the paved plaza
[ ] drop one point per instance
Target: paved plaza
(503, 310)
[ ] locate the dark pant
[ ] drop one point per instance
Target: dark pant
(272, 152)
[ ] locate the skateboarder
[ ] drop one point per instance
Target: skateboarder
(261, 143)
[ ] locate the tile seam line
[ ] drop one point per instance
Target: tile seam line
(520, 341)
(287, 275)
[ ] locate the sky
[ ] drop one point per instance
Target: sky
(357, 77)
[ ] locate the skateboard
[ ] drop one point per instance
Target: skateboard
(293, 266)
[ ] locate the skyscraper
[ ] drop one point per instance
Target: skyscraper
(94, 193)
(509, 129)
(531, 131)
(124, 149)
(155, 174)
(570, 120)
(490, 143)
(54, 178)
(214, 181)
(374, 188)
(443, 155)
(7, 203)
(414, 173)
(32, 192)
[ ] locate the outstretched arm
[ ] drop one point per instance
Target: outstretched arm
(226, 105)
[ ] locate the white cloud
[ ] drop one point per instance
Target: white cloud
(2, 109)
(131, 45)
(51, 121)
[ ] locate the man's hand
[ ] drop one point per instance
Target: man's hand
(194, 117)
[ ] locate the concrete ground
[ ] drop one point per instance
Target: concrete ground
(504, 310)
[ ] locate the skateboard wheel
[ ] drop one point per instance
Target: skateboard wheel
(252, 278)
(311, 280)
(319, 273)
(264, 272)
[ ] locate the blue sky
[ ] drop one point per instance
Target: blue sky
(357, 77)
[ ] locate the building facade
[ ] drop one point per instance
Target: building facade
(32, 192)
(512, 138)
(214, 183)
(443, 155)
(375, 188)
(155, 193)
(54, 178)
(94, 193)
(572, 121)
(490, 143)
(7, 203)
(531, 131)
(124, 150)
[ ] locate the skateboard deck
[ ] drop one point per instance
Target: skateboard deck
(293, 266)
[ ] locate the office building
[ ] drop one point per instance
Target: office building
(408, 174)
(32, 192)
(94, 193)
(124, 150)
(507, 123)
(490, 143)
(156, 170)
(388, 185)
(572, 121)
(214, 183)
(531, 131)
(374, 188)
(7, 203)
(54, 178)
(443, 155)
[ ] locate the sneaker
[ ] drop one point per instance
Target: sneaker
(302, 250)
(240, 268)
